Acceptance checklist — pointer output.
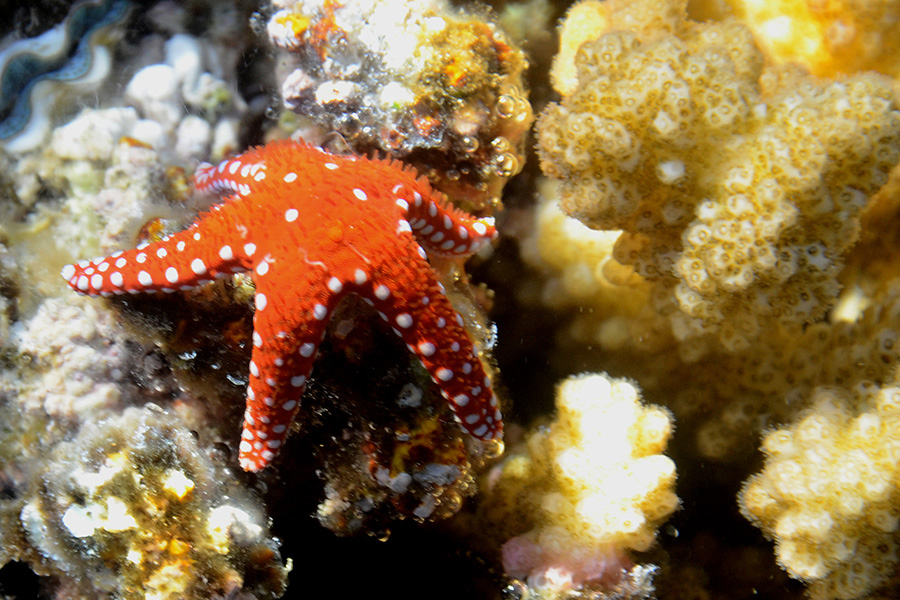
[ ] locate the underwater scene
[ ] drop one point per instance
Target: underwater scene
(501, 300)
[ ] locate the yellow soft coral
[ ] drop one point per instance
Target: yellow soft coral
(579, 270)
(828, 37)
(592, 484)
(829, 494)
(737, 199)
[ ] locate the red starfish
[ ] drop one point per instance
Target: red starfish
(315, 227)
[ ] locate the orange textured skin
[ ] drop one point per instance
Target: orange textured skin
(314, 227)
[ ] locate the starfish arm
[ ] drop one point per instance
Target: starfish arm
(202, 252)
(238, 175)
(355, 223)
(293, 307)
(418, 310)
(442, 229)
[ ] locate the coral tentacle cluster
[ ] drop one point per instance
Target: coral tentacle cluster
(738, 186)
(314, 227)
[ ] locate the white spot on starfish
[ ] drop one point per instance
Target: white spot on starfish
(198, 267)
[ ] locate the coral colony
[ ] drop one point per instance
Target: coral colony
(695, 280)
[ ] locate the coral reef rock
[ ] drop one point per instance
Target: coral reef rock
(439, 87)
(133, 508)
